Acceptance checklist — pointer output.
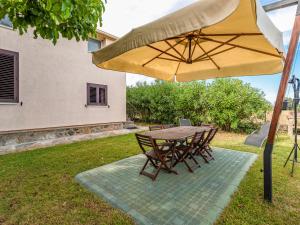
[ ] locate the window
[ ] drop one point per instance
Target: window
(9, 76)
(6, 22)
(96, 94)
(93, 45)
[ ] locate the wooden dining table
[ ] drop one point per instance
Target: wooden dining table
(176, 133)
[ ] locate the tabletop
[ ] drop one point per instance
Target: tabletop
(175, 133)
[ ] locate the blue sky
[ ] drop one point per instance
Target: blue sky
(121, 16)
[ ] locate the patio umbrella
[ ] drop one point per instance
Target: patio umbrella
(207, 39)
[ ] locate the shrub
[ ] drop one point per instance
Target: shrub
(229, 103)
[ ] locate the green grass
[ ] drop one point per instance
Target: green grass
(38, 187)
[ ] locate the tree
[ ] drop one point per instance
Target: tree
(228, 103)
(234, 105)
(51, 18)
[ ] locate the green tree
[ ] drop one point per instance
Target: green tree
(229, 103)
(52, 18)
(234, 105)
(191, 102)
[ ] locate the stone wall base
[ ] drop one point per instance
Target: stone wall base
(12, 138)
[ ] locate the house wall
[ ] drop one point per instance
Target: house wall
(53, 85)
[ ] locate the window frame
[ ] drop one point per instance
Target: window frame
(16, 76)
(98, 41)
(98, 87)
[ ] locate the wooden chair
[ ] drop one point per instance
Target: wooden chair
(155, 127)
(210, 137)
(185, 122)
(184, 152)
(159, 155)
(204, 149)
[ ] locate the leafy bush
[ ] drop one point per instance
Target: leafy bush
(229, 103)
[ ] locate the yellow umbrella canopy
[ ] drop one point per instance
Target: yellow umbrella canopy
(207, 39)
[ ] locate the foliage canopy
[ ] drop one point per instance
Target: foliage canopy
(52, 18)
(228, 103)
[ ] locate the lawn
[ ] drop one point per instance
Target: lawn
(38, 187)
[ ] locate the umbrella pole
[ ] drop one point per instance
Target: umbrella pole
(277, 108)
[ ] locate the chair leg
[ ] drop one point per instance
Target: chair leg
(187, 165)
(168, 168)
(204, 157)
(209, 153)
(142, 170)
(193, 158)
(157, 171)
(153, 163)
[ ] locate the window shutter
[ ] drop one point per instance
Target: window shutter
(8, 76)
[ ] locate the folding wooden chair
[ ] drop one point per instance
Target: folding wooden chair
(204, 149)
(155, 127)
(185, 122)
(159, 155)
(184, 152)
(210, 137)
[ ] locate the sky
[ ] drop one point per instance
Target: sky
(121, 16)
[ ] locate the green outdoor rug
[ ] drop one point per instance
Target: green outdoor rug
(183, 199)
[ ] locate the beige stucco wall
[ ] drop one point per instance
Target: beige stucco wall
(53, 82)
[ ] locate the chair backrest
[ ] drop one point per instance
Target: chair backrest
(166, 126)
(155, 127)
(145, 142)
(211, 134)
(197, 138)
(264, 130)
(185, 122)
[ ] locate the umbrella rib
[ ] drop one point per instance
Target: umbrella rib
(210, 35)
(217, 53)
(175, 60)
(182, 57)
(219, 46)
(230, 34)
(242, 47)
(162, 53)
(210, 58)
(180, 62)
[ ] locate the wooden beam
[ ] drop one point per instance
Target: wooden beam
(279, 5)
(277, 108)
